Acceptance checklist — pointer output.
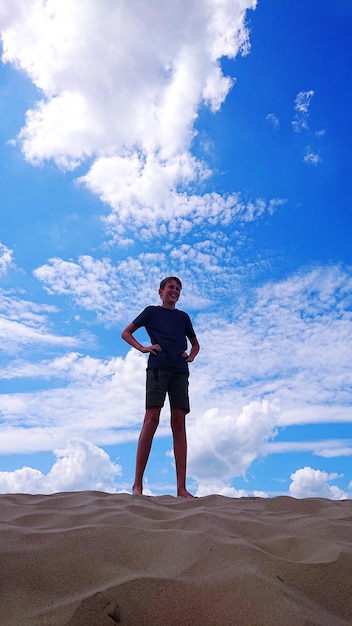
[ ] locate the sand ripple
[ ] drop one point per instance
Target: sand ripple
(95, 559)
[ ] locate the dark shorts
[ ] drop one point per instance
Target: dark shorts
(161, 382)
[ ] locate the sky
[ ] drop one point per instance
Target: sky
(207, 139)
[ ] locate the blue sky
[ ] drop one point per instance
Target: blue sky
(208, 140)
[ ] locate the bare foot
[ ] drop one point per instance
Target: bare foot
(184, 494)
(137, 491)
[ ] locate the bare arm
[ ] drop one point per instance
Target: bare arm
(194, 350)
(127, 335)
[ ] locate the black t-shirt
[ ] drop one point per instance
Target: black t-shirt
(169, 328)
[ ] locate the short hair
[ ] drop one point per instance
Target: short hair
(168, 279)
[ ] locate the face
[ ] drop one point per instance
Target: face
(170, 294)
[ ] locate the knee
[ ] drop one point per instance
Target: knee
(152, 417)
(178, 420)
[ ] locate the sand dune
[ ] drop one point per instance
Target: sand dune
(95, 559)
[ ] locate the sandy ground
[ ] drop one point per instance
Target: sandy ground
(96, 559)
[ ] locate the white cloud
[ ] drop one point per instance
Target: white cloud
(121, 85)
(148, 206)
(328, 448)
(18, 335)
(226, 445)
(24, 323)
(110, 289)
(102, 401)
(273, 120)
(18, 309)
(311, 483)
(72, 366)
(289, 342)
(302, 104)
(279, 357)
(79, 466)
(311, 157)
(171, 52)
(6, 261)
(329, 452)
(221, 489)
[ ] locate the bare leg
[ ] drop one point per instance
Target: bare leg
(180, 450)
(150, 424)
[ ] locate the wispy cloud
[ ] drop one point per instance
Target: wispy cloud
(301, 106)
(327, 448)
(108, 289)
(24, 323)
(87, 398)
(273, 120)
(6, 259)
(311, 157)
(147, 211)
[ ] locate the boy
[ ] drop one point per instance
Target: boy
(167, 372)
